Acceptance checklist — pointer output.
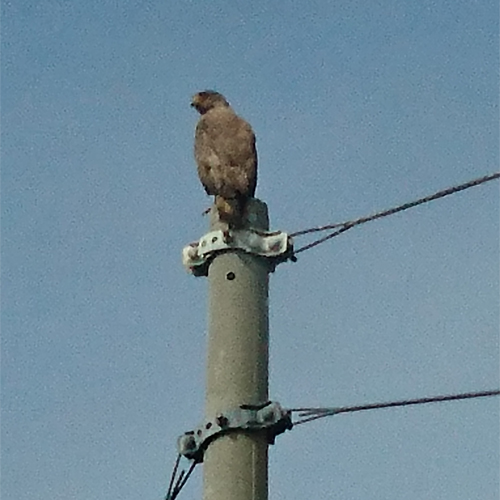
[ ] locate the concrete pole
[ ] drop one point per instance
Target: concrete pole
(235, 465)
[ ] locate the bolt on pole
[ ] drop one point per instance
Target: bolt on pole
(236, 465)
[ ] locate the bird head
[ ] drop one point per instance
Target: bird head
(207, 100)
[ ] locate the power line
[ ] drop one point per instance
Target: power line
(175, 486)
(178, 481)
(310, 414)
(172, 478)
(345, 226)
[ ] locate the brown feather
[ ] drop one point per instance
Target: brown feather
(226, 156)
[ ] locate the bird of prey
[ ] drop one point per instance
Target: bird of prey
(226, 156)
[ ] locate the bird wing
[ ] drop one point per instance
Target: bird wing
(206, 157)
(226, 154)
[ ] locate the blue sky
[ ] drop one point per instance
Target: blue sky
(357, 106)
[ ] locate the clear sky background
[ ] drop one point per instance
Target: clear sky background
(357, 106)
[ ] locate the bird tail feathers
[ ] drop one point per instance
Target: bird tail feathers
(231, 211)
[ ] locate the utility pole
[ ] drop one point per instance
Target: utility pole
(235, 465)
(240, 421)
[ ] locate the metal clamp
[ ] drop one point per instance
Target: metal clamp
(275, 246)
(268, 416)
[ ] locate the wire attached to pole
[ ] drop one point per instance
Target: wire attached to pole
(172, 478)
(345, 226)
(310, 414)
(175, 485)
(178, 481)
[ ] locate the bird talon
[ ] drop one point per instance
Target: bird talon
(226, 236)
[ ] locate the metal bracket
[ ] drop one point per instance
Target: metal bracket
(268, 416)
(275, 246)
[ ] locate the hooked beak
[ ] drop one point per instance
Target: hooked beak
(195, 101)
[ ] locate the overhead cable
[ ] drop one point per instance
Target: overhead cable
(309, 414)
(342, 227)
(176, 484)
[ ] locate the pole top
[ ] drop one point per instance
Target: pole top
(253, 238)
(256, 216)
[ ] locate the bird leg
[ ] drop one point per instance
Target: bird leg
(226, 236)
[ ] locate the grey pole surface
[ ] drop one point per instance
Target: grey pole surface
(235, 465)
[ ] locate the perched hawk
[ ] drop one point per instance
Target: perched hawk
(225, 153)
